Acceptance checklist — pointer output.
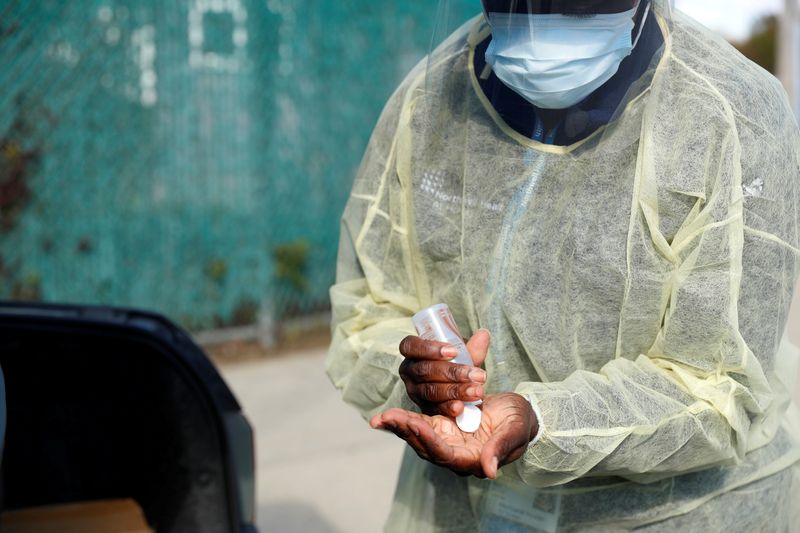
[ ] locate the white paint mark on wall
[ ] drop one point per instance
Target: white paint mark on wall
(199, 56)
(143, 40)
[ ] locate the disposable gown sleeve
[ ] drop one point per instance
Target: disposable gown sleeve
(707, 391)
(375, 293)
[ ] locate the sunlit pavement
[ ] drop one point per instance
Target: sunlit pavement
(320, 467)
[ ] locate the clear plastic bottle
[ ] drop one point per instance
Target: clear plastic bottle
(436, 324)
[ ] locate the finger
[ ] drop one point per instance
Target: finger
(444, 392)
(401, 428)
(375, 422)
(418, 348)
(452, 409)
(514, 455)
(392, 416)
(405, 433)
(401, 416)
(478, 346)
(433, 446)
(497, 451)
(490, 467)
(440, 372)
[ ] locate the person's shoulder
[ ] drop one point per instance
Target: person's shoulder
(749, 90)
(448, 59)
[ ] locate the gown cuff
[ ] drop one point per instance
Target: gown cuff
(538, 413)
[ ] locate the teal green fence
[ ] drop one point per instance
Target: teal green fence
(192, 156)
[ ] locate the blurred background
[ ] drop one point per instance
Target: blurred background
(193, 157)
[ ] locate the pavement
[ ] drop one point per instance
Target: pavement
(320, 468)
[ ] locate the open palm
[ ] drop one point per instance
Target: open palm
(507, 426)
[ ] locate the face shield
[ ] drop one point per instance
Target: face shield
(554, 53)
(452, 13)
(558, 7)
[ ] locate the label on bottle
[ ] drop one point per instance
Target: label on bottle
(447, 321)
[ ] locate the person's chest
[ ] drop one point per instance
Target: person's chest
(541, 249)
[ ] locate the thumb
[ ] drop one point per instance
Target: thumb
(493, 454)
(504, 447)
(478, 346)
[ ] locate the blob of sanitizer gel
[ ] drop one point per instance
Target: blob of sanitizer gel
(436, 324)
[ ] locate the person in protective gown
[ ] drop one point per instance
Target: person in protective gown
(607, 196)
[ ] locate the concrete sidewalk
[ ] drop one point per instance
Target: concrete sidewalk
(320, 468)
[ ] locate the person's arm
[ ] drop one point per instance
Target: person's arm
(706, 392)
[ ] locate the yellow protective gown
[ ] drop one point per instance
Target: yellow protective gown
(636, 285)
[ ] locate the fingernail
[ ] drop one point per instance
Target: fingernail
(495, 462)
(475, 391)
(478, 375)
(487, 331)
(449, 351)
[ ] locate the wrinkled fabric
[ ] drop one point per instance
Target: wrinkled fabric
(635, 286)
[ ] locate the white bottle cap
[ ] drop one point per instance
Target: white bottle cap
(470, 420)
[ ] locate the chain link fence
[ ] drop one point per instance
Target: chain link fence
(190, 156)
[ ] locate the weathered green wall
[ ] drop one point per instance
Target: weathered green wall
(190, 156)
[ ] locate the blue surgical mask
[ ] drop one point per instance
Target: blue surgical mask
(555, 61)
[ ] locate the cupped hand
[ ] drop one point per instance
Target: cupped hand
(507, 426)
(437, 386)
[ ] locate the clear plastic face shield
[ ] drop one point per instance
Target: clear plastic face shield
(558, 7)
(452, 13)
(553, 53)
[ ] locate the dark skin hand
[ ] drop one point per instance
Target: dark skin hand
(437, 386)
(507, 426)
